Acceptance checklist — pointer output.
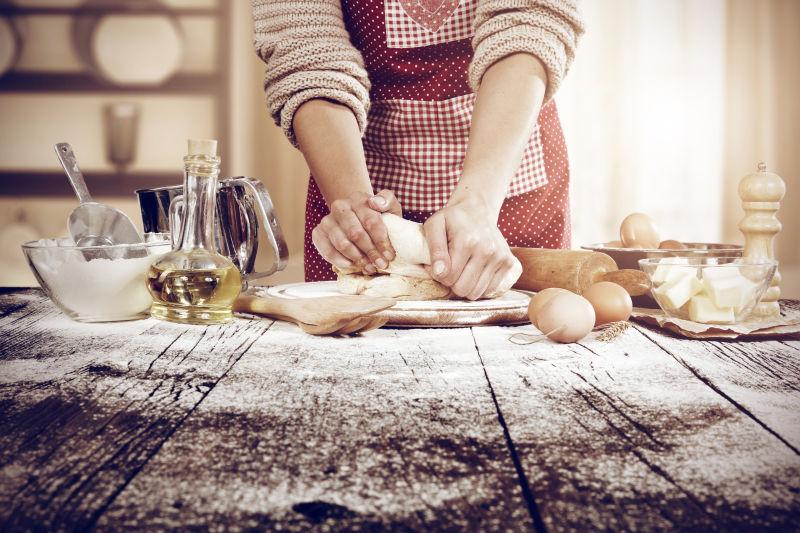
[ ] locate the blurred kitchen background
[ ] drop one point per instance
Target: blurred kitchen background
(667, 106)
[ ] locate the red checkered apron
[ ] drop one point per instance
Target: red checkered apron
(417, 53)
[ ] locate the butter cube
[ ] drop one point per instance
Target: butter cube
(719, 272)
(702, 309)
(671, 268)
(677, 291)
(663, 270)
(729, 291)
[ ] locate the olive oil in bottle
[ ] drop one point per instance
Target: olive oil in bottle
(193, 284)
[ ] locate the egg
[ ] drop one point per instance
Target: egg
(610, 301)
(566, 318)
(539, 299)
(639, 231)
(670, 244)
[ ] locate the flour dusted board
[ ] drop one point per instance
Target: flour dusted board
(511, 308)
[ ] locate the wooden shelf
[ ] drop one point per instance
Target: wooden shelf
(125, 8)
(54, 184)
(67, 82)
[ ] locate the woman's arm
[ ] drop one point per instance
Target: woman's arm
(468, 252)
(328, 135)
(317, 90)
(506, 108)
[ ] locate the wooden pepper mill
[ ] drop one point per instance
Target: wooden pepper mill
(761, 194)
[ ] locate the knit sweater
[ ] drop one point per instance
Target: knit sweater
(308, 54)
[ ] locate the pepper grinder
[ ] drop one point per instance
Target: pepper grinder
(761, 194)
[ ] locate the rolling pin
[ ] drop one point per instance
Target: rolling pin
(574, 270)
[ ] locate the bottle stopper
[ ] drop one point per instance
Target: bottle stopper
(206, 147)
(761, 194)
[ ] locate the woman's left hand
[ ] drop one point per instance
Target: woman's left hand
(468, 252)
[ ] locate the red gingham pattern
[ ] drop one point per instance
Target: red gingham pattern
(409, 23)
(416, 149)
(535, 219)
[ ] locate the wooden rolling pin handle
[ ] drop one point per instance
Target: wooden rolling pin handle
(635, 282)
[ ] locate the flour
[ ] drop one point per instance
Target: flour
(97, 289)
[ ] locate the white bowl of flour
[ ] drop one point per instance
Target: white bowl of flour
(96, 283)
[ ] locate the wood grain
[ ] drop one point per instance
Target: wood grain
(622, 436)
(151, 425)
(392, 430)
(762, 379)
(73, 435)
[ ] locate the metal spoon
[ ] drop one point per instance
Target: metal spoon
(91, 223)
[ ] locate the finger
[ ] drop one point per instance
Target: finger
(461, 251)
(483, 281)
(376, 229)
(356, 234)
(500, 275)
(386, 202)
(497, 279)
(469, 277)
(343, 245)
(328, 252)
(436, 234)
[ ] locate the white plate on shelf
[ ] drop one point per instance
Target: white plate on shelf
(509, 309)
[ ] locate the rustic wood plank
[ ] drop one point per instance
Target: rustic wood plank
(619, 435)
(83, 407)
(761, 378)
(392, 430)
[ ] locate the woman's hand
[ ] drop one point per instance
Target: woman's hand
(354, 234)
(468, 252)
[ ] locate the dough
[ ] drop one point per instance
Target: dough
(406, 277)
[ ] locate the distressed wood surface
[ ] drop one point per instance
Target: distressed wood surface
(151, 425)
(621, 435)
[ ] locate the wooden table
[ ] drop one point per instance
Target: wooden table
(151, 425)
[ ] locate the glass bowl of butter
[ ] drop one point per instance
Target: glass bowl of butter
(709, 290)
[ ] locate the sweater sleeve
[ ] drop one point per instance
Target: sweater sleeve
(547, 29)
(308, 54)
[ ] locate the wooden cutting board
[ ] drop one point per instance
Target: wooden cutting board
(509, 309)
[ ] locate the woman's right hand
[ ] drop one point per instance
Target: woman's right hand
(353, 234)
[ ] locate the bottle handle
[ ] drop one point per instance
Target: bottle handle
(175, 218)
(260, 196)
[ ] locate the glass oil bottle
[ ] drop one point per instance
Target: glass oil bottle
(193, 284)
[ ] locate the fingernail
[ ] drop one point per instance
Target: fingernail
(381, 263)
(379, 200)
(438, 268)
(387, 254)
(369, 269)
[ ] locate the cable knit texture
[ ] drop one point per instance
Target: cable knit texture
(547, 29)
(308, 54)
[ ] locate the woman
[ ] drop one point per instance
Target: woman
(453, 101)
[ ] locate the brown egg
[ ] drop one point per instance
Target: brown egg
(670, 244)
(639, 231)
(566, 318)
(539, 299)
(610, 301)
